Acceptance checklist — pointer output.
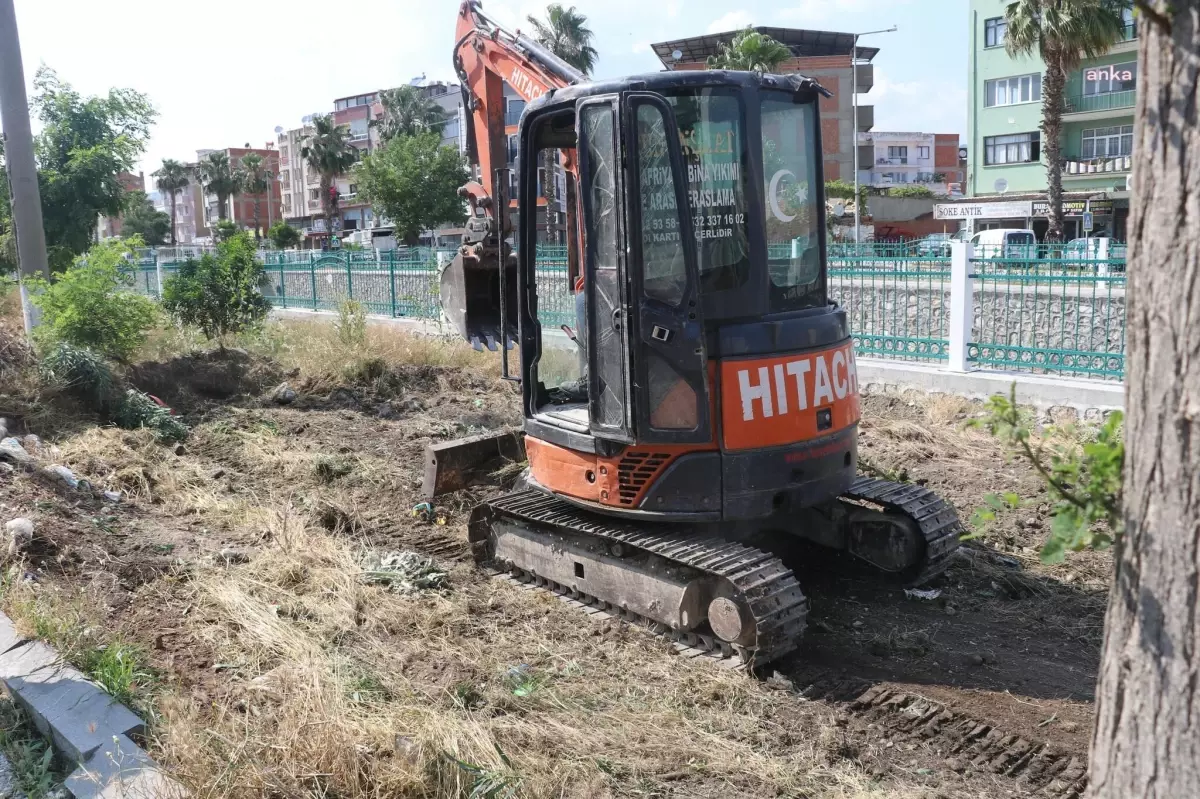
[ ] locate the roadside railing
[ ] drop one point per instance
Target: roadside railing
(1048, 310)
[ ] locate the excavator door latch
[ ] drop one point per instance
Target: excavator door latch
(659, 333)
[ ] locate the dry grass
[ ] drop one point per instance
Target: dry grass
(342, 689)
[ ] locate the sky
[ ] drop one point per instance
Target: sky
(223, 73)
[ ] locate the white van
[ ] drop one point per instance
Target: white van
(1006, 243)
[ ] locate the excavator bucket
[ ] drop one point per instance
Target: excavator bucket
(471, 298)
(452, 465)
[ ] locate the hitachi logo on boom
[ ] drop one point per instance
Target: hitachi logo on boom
(800, 384)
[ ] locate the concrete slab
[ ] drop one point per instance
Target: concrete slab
(122, 770)
(1041, 391)
(63, 703)
(9, 637)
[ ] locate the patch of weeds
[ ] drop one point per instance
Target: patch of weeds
(351, 324)
(120, 668)
(329, 468)
(163, 549)
(365, 687)
(524, 681)
(105, 524)
(491, 783)
(365, 370)
(873, 469)
(31, 757)
(465, 695)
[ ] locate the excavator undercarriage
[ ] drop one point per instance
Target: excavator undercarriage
(705, 588)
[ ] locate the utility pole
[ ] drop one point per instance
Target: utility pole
(854, 105)
(18, 153)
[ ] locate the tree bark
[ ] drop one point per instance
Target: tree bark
(173, 193)
(1146, 741)
(1053, 101)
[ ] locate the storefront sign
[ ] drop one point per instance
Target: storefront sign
(1007, 209)
(1075, 207)
(1109, 73)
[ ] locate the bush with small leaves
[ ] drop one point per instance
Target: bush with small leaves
(91, 304)
(220, 294)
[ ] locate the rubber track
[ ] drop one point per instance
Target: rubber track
(776, 603)
(935, 518)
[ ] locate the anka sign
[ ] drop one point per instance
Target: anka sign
(1108, 74)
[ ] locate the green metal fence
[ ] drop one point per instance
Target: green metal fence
(1063, 318)
(1047, 309)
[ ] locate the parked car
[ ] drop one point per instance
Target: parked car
(1009, 244)
(1093, 252)
(936, 245)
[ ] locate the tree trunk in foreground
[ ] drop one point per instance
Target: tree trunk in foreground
(1147, 737)
(1053, 102)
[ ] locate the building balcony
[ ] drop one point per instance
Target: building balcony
(898, 161)
(866, 118)
(1098, 106)
(314, 205)
(1080, 169)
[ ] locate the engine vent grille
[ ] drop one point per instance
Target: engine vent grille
(635, 471)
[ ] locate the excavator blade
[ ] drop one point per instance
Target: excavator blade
(470, 292)
(450, 465)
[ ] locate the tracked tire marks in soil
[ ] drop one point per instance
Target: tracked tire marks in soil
(1038, 768)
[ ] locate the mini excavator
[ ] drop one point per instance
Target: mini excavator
(713, 413)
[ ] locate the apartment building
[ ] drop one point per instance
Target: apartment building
(1004, 124)
(928, 160)
(242, 206)
(828, 57)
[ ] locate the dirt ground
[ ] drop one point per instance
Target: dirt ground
(234, 559)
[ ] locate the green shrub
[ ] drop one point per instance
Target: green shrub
(139, 410)
(82, 372)
(910, 191)
(220, 293)
(352, 323)
(91, 304)
(226, 230)
(283, 235)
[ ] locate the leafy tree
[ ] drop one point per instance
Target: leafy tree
(143, 220)
(256, 180)
(414, 182)
(83, 145)
(329, 153)
(566, 34)
(8, 242)
(750, 51)
(219, 293)
(226, 229)
(283, 235)
(408, 111)
(220, 179)
(172, 178)
(90, 304)
(1063, 33)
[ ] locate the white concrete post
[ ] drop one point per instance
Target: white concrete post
(1102, 255)
(158, 272)
(962, 304)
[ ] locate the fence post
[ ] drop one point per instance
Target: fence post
(392, 279)
(312, 270)
(349, 256)
(158, 271)
(282, 284)
(962, 304)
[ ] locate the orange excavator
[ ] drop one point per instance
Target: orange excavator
(709, 415)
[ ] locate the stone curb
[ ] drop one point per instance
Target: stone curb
(87, 726)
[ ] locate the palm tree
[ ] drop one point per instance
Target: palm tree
(173, 178)
(1063, 33)
(408, 111)
(566, 34)
(220, 179)
(329, 153)
(256, 181)
(750, 51)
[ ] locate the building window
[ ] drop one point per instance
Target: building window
(1019, 148)
(512, 149)
(1113, 78)
(1107, 142)
(1010, 91)
(898, 154)
(314, 194)
(922, 152)
(993, 31)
